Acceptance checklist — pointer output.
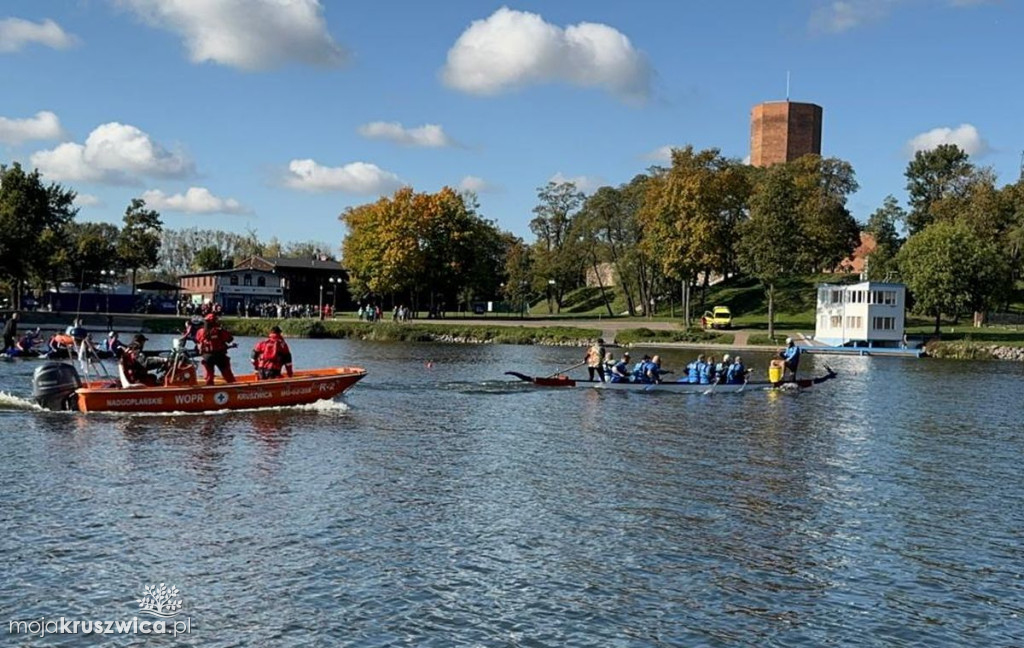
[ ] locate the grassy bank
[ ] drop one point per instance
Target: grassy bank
(649, 336)
(392, 332)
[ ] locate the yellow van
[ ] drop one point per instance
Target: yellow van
(719, 317)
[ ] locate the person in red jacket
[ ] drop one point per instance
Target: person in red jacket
(271, 355)
(213, 342)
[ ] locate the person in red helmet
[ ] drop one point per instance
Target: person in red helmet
(213, 341)
(271, 355)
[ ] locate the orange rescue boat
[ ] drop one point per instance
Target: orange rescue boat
(57, 386)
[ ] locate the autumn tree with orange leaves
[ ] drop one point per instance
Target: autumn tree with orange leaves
(423, 249)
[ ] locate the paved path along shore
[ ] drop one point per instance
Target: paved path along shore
(608, 327)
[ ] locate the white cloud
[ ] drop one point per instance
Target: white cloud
(512, 48)
(197, 200)
(247, 34)
(965, 136)
(477, 185)
(15, 33)
(87, 200)
(356, 178)
(45, 125)
(586, 184)
(112, 154)
(428, 135)
(661, 155)
(843, 15)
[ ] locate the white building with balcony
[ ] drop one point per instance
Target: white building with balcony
(868, 314)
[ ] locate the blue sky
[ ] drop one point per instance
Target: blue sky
(276, 115)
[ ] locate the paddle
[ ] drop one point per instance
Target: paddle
(578, 364)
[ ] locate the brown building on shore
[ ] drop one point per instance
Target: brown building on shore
(782, 131)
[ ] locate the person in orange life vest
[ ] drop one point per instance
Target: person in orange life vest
(135, 365)
(213, 341)
(270, 355)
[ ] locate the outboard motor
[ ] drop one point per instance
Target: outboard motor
(54, 385)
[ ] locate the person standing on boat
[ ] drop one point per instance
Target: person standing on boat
(791, 356)
(11, 331)
(271, 355)
(135, 366)
(594, 359)
(213, 341)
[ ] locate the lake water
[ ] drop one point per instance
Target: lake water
(438, 504)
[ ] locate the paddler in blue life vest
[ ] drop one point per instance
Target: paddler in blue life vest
(620, 371)
(791, 357)
(737, 373)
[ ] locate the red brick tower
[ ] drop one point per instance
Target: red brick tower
(781, 131)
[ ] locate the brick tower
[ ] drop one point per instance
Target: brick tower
(781, 131)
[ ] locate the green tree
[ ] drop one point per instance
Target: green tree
(883, 227)
(829, 232)
(940, 173)
(32, 218)
(770, 240)
(209, 258)
(690, 215)
(411, 242)
(558, 261)
(519, 274)
(138, 245)
(949, 269)
(93, 249)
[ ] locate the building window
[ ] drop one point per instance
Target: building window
(234, 280)
(853, 322)
(836, 321)
(837, 296)
(261, 281)
(247, 280)
(884, 324)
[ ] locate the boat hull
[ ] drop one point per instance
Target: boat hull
(306, 386)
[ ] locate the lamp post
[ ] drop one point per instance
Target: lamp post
(551, 288)
(335, 284)
(106, 277)
(321, 299)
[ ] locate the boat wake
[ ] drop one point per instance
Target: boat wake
(13, 403)
(495, 387)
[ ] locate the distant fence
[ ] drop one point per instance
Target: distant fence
(1005, 319)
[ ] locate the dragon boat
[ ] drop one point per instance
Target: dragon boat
(561, 380)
